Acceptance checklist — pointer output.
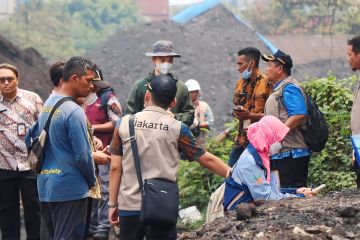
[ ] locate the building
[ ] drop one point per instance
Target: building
(154, 10)
(7, 7)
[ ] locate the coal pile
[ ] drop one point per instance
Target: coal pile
(33, 69)
(208, 46)
(333, 216)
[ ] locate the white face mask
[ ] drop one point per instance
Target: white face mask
(163, 68)
(275, 148)
(90, 99)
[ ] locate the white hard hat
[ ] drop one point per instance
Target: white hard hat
(192, 85)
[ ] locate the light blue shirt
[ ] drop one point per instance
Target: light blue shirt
(246, 172)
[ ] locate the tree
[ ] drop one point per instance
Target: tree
(305, 16)
(59, 29)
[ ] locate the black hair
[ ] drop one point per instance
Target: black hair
(56, 73)
(286, 69)
(77, 66)
(251, 53)
(162, 102)
(355, 43)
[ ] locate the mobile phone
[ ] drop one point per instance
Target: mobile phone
(238, 109)
(319, 188)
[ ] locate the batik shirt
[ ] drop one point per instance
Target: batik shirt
(252, 95)
(16, 117)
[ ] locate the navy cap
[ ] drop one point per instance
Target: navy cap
(162, 87)
(281, 57)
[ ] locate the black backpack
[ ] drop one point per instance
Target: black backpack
(315, 131)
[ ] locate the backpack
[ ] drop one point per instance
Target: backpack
(315, 131)
(36, 150)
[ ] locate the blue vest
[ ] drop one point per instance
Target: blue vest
(236, 193)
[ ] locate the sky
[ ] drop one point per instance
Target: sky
(183, 2)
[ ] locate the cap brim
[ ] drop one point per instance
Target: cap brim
(267, 58)
(162, 54)
(101, 84)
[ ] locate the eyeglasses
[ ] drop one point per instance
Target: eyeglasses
(9, 79)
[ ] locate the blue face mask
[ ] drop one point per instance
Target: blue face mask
(246, 74)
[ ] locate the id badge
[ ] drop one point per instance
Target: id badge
(21, 129)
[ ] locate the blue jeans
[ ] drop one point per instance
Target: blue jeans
(99, 213)
(234, 155)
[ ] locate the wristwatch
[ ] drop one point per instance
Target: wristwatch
(113, 205)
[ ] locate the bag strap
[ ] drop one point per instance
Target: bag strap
(56, 106)
(135, 151)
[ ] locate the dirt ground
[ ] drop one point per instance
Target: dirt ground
(332, 216)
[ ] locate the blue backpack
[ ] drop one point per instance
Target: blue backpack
(315, 131)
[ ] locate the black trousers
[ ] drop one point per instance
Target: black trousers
(293, 172)
(11, 183)
(64, 220)
(132, 229)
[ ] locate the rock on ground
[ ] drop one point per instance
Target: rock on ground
(333, 216)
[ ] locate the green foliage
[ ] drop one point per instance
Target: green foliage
(333, 165)
(196, 183)
(59, 29)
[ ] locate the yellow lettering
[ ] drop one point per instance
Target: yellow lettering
(50, 171)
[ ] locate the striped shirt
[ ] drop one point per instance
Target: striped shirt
(16, 117)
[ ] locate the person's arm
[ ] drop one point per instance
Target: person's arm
(195, 152)
(77, 132)
(135, 100)
(295, 105)
(114, 108)
(38, 104)
(115, 175)
(184, 109)
(101, 158)
(105, 127)
(31, 134)
(295, 121)
(113, 112)
(214, 164)
(246, 114)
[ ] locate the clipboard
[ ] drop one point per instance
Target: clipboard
(355, 140)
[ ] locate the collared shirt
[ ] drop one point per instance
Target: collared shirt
(251, 94)
(16, 117)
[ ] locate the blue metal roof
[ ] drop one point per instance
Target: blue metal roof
(197, 9)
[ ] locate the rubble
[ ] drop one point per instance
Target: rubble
(332, 216)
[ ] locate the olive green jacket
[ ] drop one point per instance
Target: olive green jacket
(183, 111)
